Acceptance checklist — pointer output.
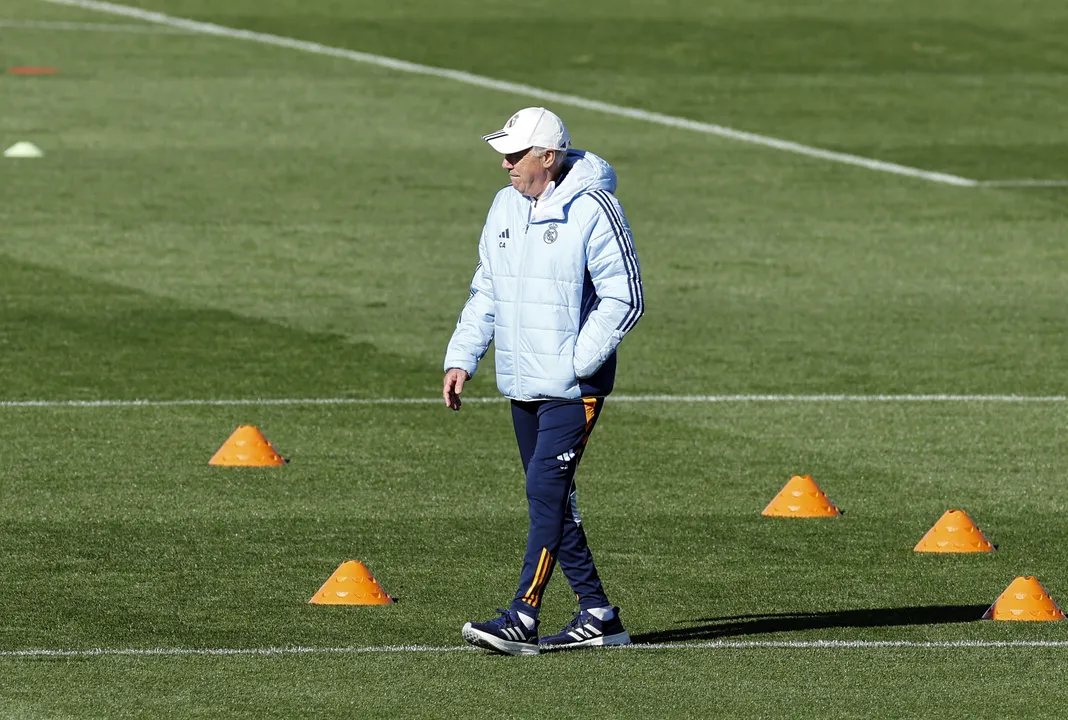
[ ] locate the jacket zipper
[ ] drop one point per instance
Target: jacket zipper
(519, 302)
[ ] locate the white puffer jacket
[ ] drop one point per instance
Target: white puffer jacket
(557, 287)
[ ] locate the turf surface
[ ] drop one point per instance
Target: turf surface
(219, 219)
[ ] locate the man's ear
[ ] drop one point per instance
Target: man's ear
(549, 159)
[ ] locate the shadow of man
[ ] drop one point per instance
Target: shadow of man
(738, 625)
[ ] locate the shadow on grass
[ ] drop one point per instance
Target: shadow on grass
(738, 625)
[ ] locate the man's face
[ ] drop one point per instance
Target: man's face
(530, 175)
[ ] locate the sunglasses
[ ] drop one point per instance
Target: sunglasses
(515, 157)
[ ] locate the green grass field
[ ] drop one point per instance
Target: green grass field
(217, 219)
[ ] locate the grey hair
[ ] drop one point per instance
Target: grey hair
(558, 162)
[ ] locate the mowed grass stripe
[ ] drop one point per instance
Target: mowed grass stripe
(520, 89)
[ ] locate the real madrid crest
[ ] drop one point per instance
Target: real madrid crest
(551, 234)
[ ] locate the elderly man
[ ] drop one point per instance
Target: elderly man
(557, 287)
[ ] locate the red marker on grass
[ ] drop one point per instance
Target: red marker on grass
(32, 70)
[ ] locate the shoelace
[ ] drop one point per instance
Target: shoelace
(575, 621)
(506, 620)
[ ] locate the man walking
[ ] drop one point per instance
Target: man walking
(556, 288)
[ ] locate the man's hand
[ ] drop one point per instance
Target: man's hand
(453, 386)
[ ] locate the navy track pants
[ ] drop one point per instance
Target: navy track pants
(552, 435)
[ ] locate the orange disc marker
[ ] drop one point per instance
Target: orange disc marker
(801, 497)
(1024, 599)
(954, 532)
(247, 447)
(32, 70)
(351, 584)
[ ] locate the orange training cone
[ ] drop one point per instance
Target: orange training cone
(801, 497)
(1024, 599)
(248, 448)
(954, 533)
(351, 584)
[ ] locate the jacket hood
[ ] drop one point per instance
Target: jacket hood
(586, 172)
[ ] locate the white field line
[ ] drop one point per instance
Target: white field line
(483, 400)
(90, 27)
(517, 89)
(1023, 183)
(37, 653)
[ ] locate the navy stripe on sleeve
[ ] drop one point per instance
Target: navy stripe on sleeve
(630, 259)
(629, 262)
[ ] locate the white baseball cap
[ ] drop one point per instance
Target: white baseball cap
(530, 127)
